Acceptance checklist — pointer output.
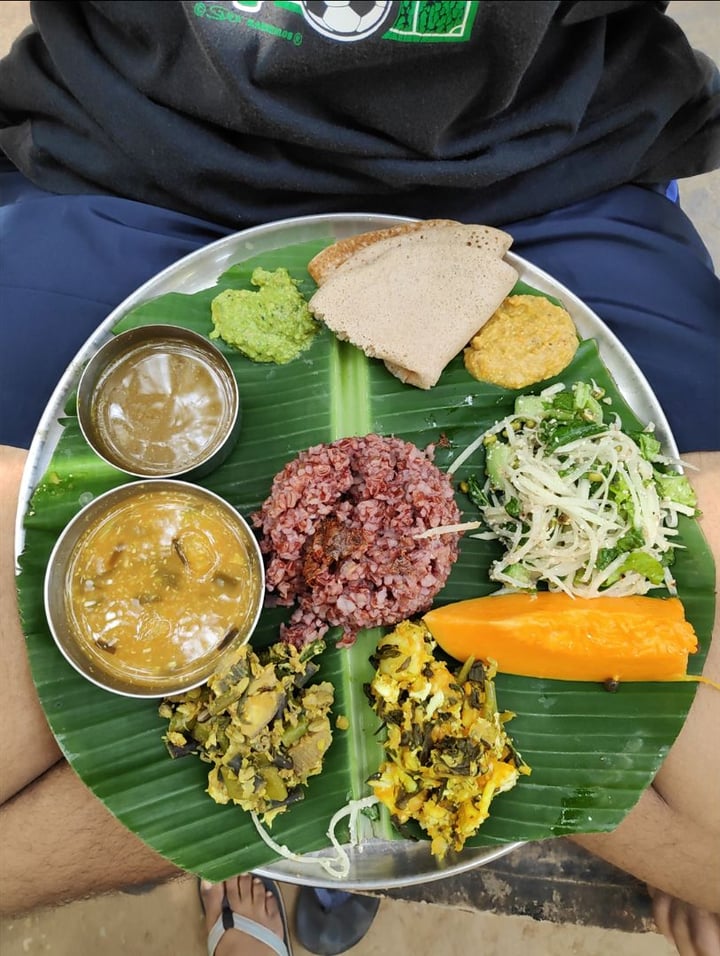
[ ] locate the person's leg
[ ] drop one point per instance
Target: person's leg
(27, 747)
(58, 841)
(671, 837)
(67, 262)
(635, 258)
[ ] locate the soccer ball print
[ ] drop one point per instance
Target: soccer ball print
(346, 20)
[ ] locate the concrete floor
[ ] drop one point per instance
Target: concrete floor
(167, 921)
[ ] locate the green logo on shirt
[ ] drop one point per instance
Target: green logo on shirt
(347, 21)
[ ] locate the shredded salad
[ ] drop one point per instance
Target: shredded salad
(580, 505)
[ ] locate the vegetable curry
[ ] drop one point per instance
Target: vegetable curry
(164, 579)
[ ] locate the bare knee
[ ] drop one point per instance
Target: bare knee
(27, 747)
(12, 462)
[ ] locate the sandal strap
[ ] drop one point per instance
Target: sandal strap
(261, 933)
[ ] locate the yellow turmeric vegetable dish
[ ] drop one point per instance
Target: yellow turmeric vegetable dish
(447, 752)
(261, 722)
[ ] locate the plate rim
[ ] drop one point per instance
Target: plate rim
(224, 252)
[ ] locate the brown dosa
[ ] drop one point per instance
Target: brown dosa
(414, 299)
(325, 262)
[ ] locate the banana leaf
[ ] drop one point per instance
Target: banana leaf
(592, 753)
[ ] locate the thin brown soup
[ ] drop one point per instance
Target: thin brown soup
(161, 407)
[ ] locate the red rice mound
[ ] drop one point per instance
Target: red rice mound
(339, 531)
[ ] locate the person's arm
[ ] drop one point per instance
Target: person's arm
(671, 838)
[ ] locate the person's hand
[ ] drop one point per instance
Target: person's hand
(694, 931)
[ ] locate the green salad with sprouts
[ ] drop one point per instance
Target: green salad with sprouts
(579, 505)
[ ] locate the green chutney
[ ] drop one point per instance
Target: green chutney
(272, 324)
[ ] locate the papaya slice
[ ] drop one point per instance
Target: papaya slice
(553, 635)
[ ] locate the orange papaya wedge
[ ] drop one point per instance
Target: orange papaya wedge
(553, 635)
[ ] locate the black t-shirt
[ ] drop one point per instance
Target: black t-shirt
(252, 110)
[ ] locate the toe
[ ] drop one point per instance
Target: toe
(240, 895)
(246, 896)
(264, 899)
(212, 897)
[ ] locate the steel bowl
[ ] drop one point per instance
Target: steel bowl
(79, 577)
(159, 401)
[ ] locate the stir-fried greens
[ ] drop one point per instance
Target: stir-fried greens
(578, 504)
(447, 752)
(260, 723)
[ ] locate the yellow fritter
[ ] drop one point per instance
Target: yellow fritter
(526, 340)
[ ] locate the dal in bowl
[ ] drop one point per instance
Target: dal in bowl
(151, 584)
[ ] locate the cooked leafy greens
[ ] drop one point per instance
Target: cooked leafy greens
(447, 753)
(260, 723)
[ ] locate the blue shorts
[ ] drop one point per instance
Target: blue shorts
(631, 254)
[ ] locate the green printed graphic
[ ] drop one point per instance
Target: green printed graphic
(433, 21)
(239, 14)
(413, 21)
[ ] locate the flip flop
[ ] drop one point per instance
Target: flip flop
(230, 920)
(331, 930)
